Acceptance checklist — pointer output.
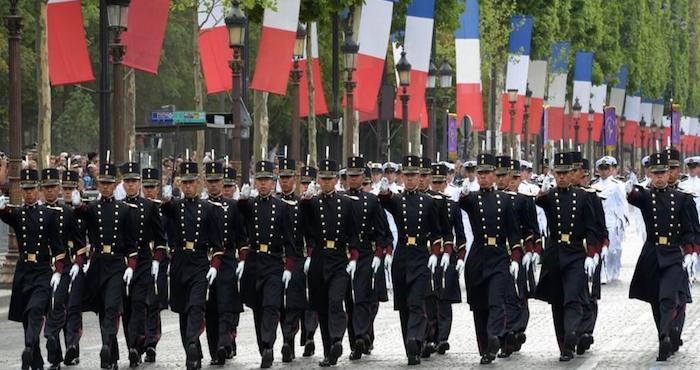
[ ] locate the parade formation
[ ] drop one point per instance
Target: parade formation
(316, 253)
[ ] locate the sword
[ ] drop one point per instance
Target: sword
(372, 275)
(155, 284)
(206, 297)
(352, 288)
(284, 299)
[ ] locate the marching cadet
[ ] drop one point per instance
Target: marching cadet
(74, 244)
(39, 266)
(666, 252)
(362, 298)
(526, 215)
(112, 235)
(496, 251)
(615, 205)
(419, 244)
(329, 269)
(296, 302)
(151, 250)
(569, 256)
(73, 329)
(265, 267)
(224, 300)
(195, 235)
(150, 178)
(433, 293)
(229, 191)
(309, 321)
(447, 278)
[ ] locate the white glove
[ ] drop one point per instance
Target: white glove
(245, 192)
(589, 266)
(155, 265)
(350, 269)
(628, 186)
(75, 198)
(383, 186)
(119, 195)
(239, 269)
(527, 260)
(604, 253)
(3, 202)
(465, 188)
(317, 189)
(55, 279)
(167, 193)
(535, 259)
(307, 264)
(388, 260)
(211, 275)
(445, 261)
(596, 259)
(128, 274)
(432, 263)
(514, 269)
(460, 266)
(86, 267)
(546, 185)
(688, 263)
(694, 257)
(376, 262)
(74, 272)
(310, 191)
(286, 278)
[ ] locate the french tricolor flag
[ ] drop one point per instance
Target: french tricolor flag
(516, 72)
(536, 79)
(468, 57)
(319, 98)
(375, 26)
(598, 99)
(583, 73)
(276, 49)
(617, 93)
(632, 115)
(556, 99)
(69, 61)
(144, 36)
(418, 44)
(214, 51)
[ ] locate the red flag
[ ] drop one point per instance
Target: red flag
(144, 36)
(69, 62)
(214, 50)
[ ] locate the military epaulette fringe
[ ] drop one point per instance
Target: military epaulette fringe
(351, 197)
(218, 204)
(59, 209)
(158, 201)
(436, 196)
(290, 202)
(131, 205)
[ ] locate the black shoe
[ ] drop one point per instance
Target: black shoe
(492, 348)
(56, 366)
(113, 366)
(309, 348)
(287, 352)
(105, 358)
(369, 346)
(267, 357)
(443, 347)
(231, 350)
(413, 360)
(570, 341)
(428, 350)
(584, 343)
(665, 347)
(520, 339)
(355, 355)
(72, 356)
(361, 346)
(193, 362)
(508, 345)
(566, 356)
(675, 337)
(335, 352)
(221, 355)
(486, 359)
(413, 351)
(324, 363)
(53, 351)
(134, 358)
(150, 354)
(27, 357)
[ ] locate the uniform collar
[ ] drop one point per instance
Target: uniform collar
(331, 194)
(564, 189)
(357, 191)
(132, 199)
(287, 196)
(265, 197)
(660, 190)
(109, 199)
(215, 198)
(31, 205)
(486, 190)
(54, 203)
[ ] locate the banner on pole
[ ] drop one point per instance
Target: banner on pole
(675, 124)
(610, 120)
(452, 137)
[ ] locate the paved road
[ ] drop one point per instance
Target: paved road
(625, 338)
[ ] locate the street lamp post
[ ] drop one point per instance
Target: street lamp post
(576, 110)
(299, 45)
(512, 99)
(350, 48)
(430, 102)
(445, 86)
(117, 17)
(13, 23)
(589, 119)
(652, 138)
(642, 125)
(236, 23)
(621, 144)
(526, 120)
(403, 67)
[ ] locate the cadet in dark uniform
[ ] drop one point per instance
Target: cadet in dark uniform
(73, 329)
(373, 239)
(229, 191)
(447, 279)
(113, 258)
(73, 242)
(224, 301)
(196, 235)
(297, 304)
(419, 244)
(309, 321)
(266, 266)
(150, 237)
(335, 235)
(569, 255)
(496, 251)
(150, 177)
(39, 266)
(659, 277)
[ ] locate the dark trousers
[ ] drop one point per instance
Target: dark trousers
(136, 311)
(374, 309)
(290, 321)
(219, 326)
(491, 320)
(110, 314)
(192, 320)
(33, 320)
(332, 319)
(309, 324)
(413, 317)
(431, 314)
(444, 320)
(56, 320)
(265, 318)
(589, 318)
(153, 326)
(360, 318)
(73, 329)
